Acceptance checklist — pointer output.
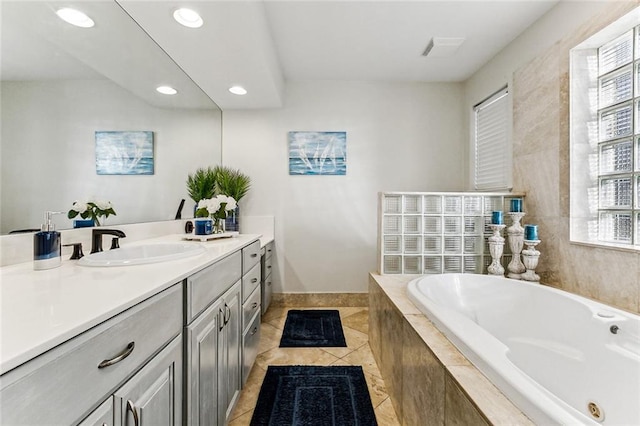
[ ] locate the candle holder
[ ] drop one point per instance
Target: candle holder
(496, 248)
(530, 257)
(516, 239)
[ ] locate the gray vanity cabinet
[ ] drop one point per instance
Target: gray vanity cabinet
(230, 354)
(101, 416)
(266, 262)
(250, 306)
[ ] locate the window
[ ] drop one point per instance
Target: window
(492, 161)
(605, 136)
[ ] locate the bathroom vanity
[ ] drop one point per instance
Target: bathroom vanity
(164, 343)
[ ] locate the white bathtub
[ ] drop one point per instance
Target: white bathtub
(552, 353)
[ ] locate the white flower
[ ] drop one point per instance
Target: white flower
(80, 206)
(213, 205)
(203, 204)
(231, 204)
(102, 204)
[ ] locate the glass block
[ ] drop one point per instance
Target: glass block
(617, 87)
(412, 224)
(638, 154)
(638, 72)
(638, 195)
(392, 264)
(486, 261)
(637, 130)
(637, 228)
(432, 204)
(487, 222)
(616, 53)
(616, 122)
(453, 245)
(492, 203)
(472, 264)
(432, 265)
(412, 265)
(473, 225)
(616, 157)
(473, 205)
(452, 205)
(615, 227)
(453, 225)
(432, 244)
(413, 244)
(413, 204)
(392, 244)
(393, 204)
(392, 224)
(474, 244)
(452, 264)
(432, 225)
(616, 192)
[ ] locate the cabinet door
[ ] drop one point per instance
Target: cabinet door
(101, 416)
(202, 367)
(229, 378)
(152, 397)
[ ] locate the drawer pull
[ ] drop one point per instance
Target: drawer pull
(254, 254)
(254, 331)
(122, 355)
(134, 412)
(269, 283)
(254, 280)
(222, 323)
(254, 305)
(269, 267)
(226, 310)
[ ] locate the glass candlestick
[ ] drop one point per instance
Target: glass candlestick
(516, 238)
(530, 257)
(496, 248)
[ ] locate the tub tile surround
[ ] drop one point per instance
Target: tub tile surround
(541, 169)
(434, 384)
(319, 299)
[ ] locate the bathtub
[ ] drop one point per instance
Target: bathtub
(560, 358)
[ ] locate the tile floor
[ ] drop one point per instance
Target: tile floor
(355, 322)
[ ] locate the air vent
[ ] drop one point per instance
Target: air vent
(440, 47)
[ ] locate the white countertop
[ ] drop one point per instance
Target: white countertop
(42, 309)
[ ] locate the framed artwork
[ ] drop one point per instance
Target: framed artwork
(317, 153)
(124, 153)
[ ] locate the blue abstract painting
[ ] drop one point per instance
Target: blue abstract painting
(124, 153)
(317, 153)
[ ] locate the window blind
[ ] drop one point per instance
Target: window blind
(492, 159)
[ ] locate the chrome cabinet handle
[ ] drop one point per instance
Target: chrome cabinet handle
(269, 267)
(222, 323)
(254, 254)
(122, 355)
(254, 305)
(254, 331)
(268, 283)
(226, 310)
(134, 412)
(254, 280)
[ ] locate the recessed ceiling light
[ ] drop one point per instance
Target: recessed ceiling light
(238, 90)
(75, 17)
(188, 18)
(166, 90)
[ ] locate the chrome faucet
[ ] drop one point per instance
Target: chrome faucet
(96, 238)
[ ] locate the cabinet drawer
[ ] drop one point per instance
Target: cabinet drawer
(101, 416)
(66, 382)
(268, 249)
(250, 343)
(267, 290)
(266, 266)
(250, 256)
(250, 307)
(207, 285)
(250, 281)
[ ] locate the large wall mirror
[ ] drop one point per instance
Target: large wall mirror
(61, 84)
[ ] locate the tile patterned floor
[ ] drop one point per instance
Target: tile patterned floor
(355, 322)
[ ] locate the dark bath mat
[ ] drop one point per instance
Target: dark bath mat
(314, 396)
(312, 329)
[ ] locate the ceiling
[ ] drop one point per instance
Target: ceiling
(261, 44)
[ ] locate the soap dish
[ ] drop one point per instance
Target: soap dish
(194, 237)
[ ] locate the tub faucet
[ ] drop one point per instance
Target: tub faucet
(96, 238)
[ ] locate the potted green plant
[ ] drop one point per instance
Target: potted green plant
(201, 185)
(233, 183)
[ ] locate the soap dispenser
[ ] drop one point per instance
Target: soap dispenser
(47, 245)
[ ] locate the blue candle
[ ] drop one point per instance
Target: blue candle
(516, 205)
(496, 218)
(531, 232)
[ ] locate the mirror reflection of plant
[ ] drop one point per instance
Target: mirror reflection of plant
(91, 210)
(231, 182)
(201, 184)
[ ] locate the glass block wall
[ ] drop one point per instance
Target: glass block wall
(438, 232)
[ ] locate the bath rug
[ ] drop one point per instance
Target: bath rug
(314, 396)
(312, 329)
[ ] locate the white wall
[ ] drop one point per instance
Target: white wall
(48, 151)
(400, 137)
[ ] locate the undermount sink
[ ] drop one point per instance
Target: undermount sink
(138, 255)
